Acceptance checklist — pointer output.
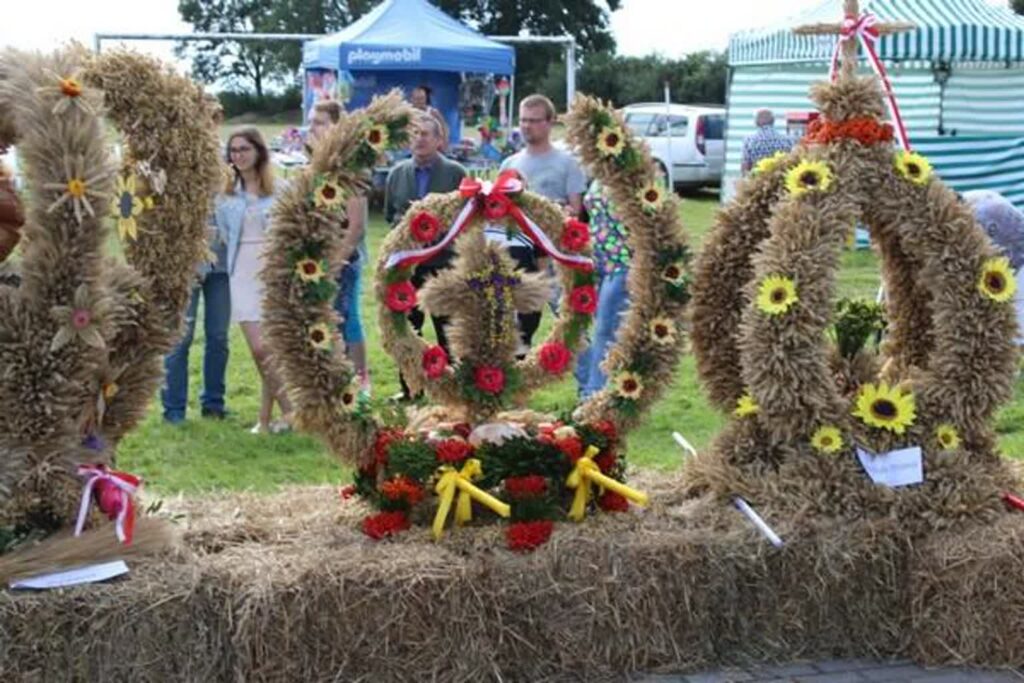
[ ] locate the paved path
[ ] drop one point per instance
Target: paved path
(842, 671)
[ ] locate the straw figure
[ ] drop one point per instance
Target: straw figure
(82, 335)
(477, 427)
(763, 298)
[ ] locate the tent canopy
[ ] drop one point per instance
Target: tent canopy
(947, 30)
(408, 35)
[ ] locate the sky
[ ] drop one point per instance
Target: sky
(669, 27)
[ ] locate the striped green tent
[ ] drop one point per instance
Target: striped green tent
(958, 78)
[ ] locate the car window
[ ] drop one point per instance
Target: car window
(714, 127)
(639, 123)
(678, 126)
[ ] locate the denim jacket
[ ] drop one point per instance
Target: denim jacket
(229, 213)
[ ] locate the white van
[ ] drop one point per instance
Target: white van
(692, 137)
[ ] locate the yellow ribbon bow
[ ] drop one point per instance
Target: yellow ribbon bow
(452, 480)
(586, 473)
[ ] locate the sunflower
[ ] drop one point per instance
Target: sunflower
(377, 137)
(827, 439)
(913, 167)
(309, 270)
(808, 176)
(127, 205)
(776, 295)
(674, 273)
(746, 406)
(327, 194)
(663, 330)
(947, 436)
(885, 407)
(319, 336)
(997, 281)
(610, 141)
(350, 397)
(769, 164)
(651, 197)
(628, 385)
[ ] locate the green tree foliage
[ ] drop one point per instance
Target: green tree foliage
(1017, 6)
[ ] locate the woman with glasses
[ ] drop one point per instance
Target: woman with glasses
(243, 217)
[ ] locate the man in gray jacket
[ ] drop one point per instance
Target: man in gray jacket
(427, 172)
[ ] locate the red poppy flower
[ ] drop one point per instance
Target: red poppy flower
(606, 462)
(554, 357)
(402, 489)
(435, 361)
(496, 207)
(575, 235)
(529, 486)
(605, 428)
(527, 536)
(571, 447)
(401, 297)
(583, 299)
(453, 450)
(385, 524)
(612, 502)
(489, 379)
(424, 227)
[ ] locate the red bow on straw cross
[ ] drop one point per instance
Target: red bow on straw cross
(114, 492)
(493, 202)
(863, 29)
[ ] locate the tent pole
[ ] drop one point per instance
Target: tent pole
(511, 105)
(570, 72)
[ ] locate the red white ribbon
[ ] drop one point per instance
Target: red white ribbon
(127, 484)
(864, 30)
(493, 201)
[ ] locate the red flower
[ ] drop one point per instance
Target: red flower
(526, 536)
(554, 357)
(453, 450)
(529, 486)
(347, 492)
(402, 489)
(489, 379)
(462, 429)
(583, 299)
(606, 462)
(496, 207)
(571, 447)
(575, 235)
(612, 502)
(381, 443)
(401, 297)
(385, 524)
(435, 361)
(424, 227)
(606, 428)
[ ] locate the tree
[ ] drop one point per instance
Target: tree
(1017, 6)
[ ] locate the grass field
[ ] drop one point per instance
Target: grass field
(204, 455)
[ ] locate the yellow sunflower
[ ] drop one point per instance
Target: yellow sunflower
(746, 406)
(319, 336)
(610, 141)
(808, 176)
(885, 407)
(651, 197)
(309, 270)
(674, 273)
(776, 295)
(350, 398)
(827, 439)
(663, 330)
(327, 194)
(127, 205)
(997, 281)
(913, 167)
(769, 164)
(628, 385)
(947, 436)
(377, 137)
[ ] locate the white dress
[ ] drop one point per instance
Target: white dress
(246, 286)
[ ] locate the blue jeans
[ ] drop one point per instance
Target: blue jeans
(216, 317)
(346, 303)
(612, 303)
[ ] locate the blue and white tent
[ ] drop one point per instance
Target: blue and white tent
(405, 43)
(958, 78)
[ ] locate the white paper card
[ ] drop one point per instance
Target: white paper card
(901, 467)
(73, 577)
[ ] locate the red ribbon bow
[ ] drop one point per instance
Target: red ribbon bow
(114, 493)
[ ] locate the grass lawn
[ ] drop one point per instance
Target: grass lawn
(204, 455)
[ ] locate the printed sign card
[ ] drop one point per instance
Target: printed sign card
(901, 467)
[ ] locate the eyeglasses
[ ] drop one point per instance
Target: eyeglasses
(239, 150)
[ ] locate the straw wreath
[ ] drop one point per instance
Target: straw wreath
(763, 298)
(83, 337)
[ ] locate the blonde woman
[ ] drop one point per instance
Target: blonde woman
(243, 217)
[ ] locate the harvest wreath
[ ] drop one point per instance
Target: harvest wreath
(476, 443)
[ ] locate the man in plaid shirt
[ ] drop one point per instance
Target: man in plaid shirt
(765, 142)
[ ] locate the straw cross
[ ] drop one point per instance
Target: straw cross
(851, 8)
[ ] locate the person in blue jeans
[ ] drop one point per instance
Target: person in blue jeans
(611, 260)
(215, 291)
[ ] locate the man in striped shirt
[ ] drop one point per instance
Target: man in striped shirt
(765, 142)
